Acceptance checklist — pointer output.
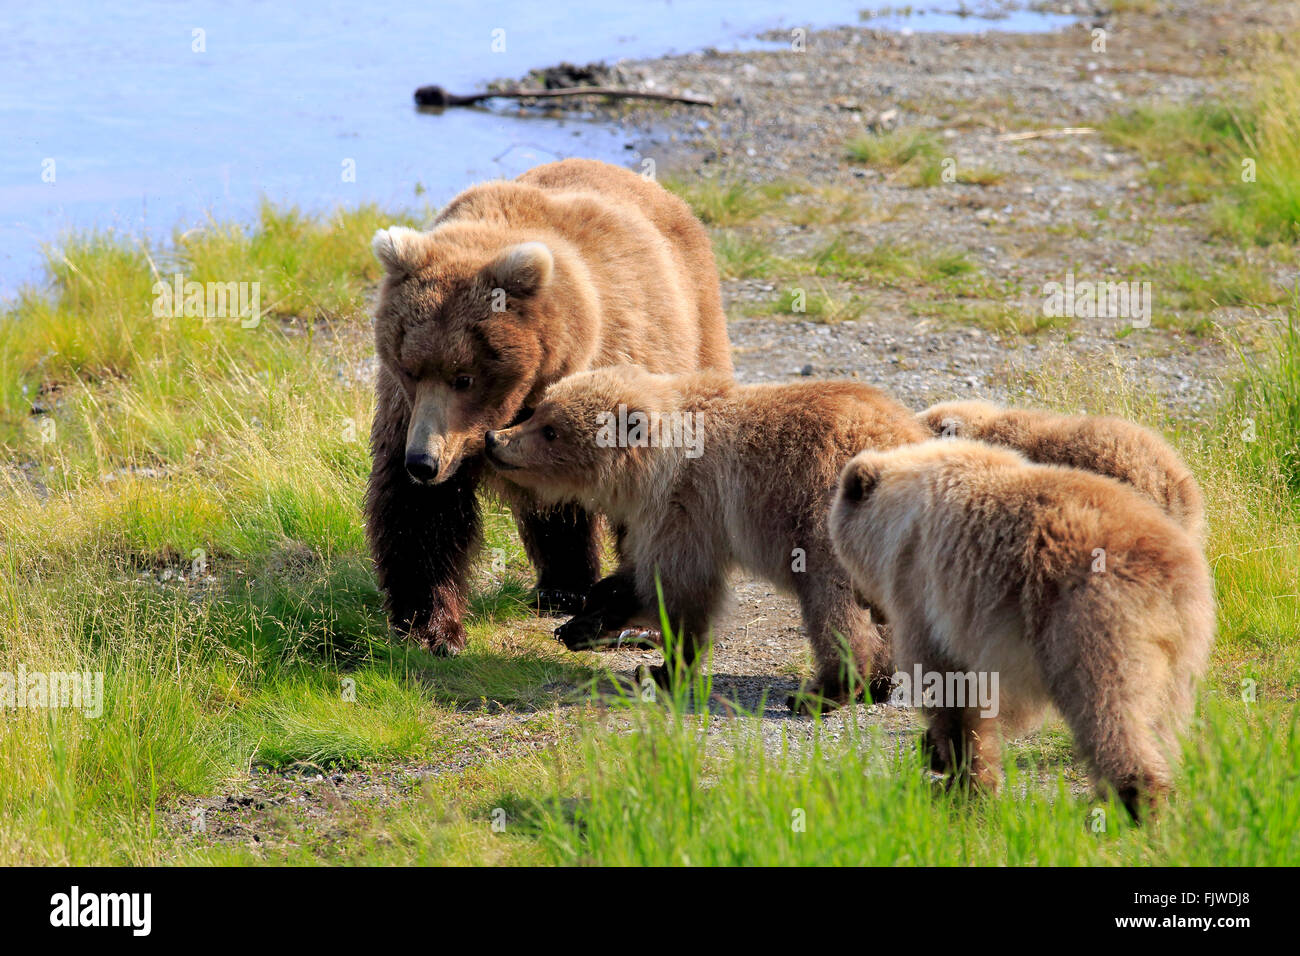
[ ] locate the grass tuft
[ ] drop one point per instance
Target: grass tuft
(1241, 157)
(894, 149)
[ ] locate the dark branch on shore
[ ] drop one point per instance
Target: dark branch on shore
(437, 96)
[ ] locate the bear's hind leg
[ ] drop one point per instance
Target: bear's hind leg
(958, 742)
(978, 752)
(1110, 680)
(941, 743)
(690, 636)
(1115, 728)
(965, 747)
(1124, 751)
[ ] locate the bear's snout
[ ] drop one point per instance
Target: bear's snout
(423, 468)
(492, 446)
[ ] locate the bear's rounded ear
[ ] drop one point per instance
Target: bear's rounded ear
(934, 417)
(859, 480)
(522, 270)
(950, 426)
(396, 248)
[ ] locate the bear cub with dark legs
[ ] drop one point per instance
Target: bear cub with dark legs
(704, 475)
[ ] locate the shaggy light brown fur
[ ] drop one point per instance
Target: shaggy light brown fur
(573, 265)
(757, 495)
(1109, 446)
(1075, 590)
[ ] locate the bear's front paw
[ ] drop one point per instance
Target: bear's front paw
(441, 637)
(580, 633)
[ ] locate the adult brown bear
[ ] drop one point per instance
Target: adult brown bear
(573, 265)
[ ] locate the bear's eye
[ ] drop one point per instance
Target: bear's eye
(462, 383)
(549, 433)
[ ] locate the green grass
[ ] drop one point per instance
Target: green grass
(743, 257)
(812, 281)
(917, 156)
(1202, 286)
(1003, 318)
(309, 267)
(832, 205)
(1195, 147)
(1240, 156)
(885, 263)
(669, 786)
(189, 526)
(981, 176)
(1132, 6)
(667, 796)
(813, 303)
(894, 149)
(1266, 406)
(727, 201)
(1188, 293)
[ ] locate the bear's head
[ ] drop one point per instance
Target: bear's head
(459, 329)
(575, 445)
(884, 496)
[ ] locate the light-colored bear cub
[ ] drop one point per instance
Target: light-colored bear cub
(1109, 446)
(1072, 588)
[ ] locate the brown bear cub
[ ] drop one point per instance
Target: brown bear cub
(1063, 586)
(1109, 446)
(573, 265)
(704, 475)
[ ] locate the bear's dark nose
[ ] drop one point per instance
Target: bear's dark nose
(421, 467)
(490, 439)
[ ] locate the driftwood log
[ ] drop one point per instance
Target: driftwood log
(437, 96)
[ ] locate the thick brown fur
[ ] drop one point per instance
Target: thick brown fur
(985, 562)
(574, 265)
(1109, 446)
(756, 495)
